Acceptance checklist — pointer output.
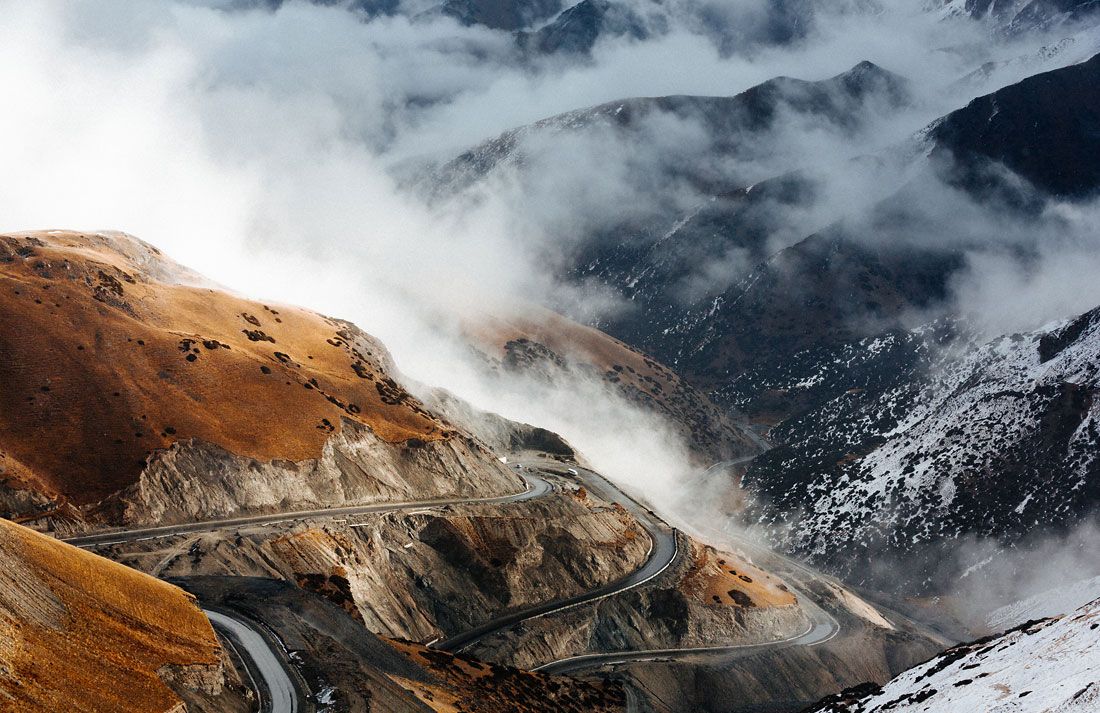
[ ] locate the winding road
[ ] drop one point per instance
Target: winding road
(271, 678)
(816, 632)
(662, 553)
(822, 625)
(536, 488)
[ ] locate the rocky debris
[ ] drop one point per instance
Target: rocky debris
(426, 575)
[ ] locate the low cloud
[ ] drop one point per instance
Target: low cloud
(259, 147)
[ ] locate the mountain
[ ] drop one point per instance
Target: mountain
(576, 30)
(837, 285)
(732, 126)
(498, 14)
(1043, 128)
(1016, 17)
(562, 353)
(985, 441)
(80, 628)
(811, 341)
(133, 395)
(501, 541)
(1045, 665)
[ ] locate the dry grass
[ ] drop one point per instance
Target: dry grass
(82, 633)
(105, 360)
(465, 684)
(723, 579)
(582, 344)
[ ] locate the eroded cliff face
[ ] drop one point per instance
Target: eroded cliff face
(77, 627)
(198, 481)
(706, 598)
(135, 392)
(422, 575)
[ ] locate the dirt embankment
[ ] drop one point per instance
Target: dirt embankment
(707, 598)
(425, 574)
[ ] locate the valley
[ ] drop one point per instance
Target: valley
(601, 356)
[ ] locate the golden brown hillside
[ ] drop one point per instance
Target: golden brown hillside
(106, 359)
(79, 632)
(540, 341)
(466, 684)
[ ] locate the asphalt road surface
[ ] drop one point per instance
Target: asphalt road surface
(663, 552)
(536, 487)
(822, 625)
(270, 676)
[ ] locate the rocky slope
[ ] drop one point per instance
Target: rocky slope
(78, 632)
(347, 668)
(841, 284)
(1016, 17)
(986, 442)
(1044, 665)
(425, 575)
(707, 598)
(812, 342)
(135, 393)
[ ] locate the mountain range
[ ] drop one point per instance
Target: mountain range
(830, 298)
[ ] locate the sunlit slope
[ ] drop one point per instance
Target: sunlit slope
(104, 359)
(75, 627)
(538, 341)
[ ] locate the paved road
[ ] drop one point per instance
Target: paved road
(816, 632)
(276, 688)
(536, 487)
(822, 625)
(663, 552)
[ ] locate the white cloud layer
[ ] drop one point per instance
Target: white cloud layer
(257, 148)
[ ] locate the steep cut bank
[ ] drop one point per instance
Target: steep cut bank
(126, 377)
(77, 627)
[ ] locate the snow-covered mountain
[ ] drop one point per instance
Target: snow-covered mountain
(1052, 602)
(1014, 17)
(1050, 665)
(888, 439)
(997, 441)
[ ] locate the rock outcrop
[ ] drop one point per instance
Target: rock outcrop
(424, 575)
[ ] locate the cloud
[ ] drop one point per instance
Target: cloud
(258, 147)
